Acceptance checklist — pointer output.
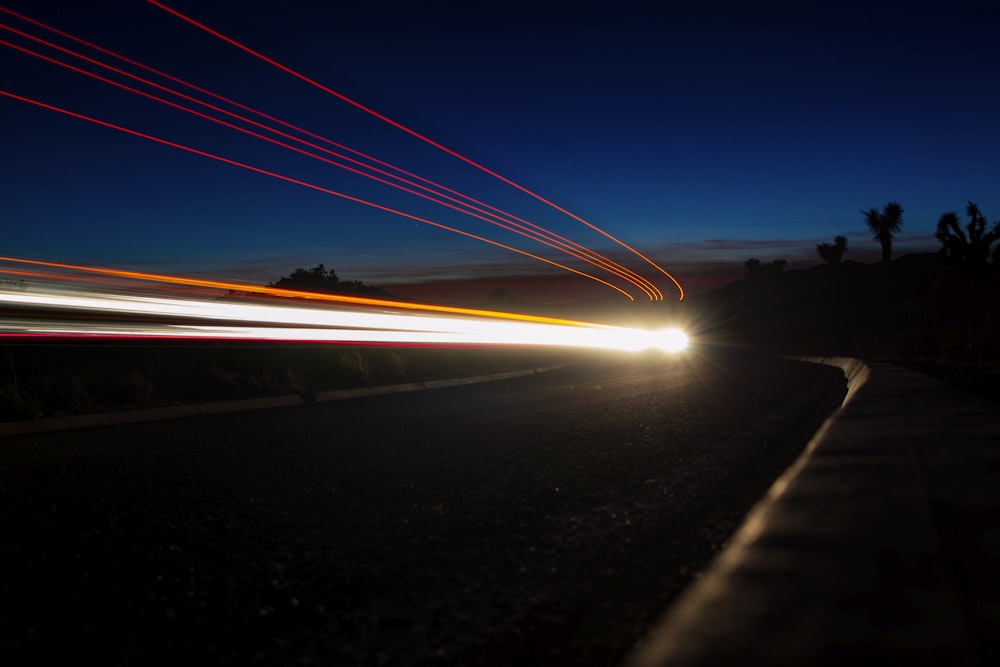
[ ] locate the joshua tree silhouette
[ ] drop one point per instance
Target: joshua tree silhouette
(970, 248)
(883, 225)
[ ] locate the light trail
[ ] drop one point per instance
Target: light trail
(301, 324)
(313, 186)
(507, 221)
(413, 133)
(494, 220)
(626, 341)
(282, 292)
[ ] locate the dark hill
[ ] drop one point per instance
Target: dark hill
(918, 307)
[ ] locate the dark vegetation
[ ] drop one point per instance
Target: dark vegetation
(321, 279)
(832, 253)
(758, 272)
(969, 248)
(883, 225)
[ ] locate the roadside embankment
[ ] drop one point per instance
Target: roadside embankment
(239, 405)
(879, 545)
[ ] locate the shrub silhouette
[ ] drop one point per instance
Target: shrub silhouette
(756, 270)
(832, 253)
(321, 279)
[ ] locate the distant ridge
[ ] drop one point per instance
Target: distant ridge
(916, 307)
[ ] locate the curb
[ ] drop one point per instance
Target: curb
(71, 422)
(878, 546)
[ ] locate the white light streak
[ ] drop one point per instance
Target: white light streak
(189, 319)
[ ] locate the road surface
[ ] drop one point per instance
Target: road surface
(543, 520)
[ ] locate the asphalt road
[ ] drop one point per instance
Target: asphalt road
(545, 520)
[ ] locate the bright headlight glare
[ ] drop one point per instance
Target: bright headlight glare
(672, 340)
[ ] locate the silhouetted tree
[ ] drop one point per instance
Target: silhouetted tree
(321, 279)
(970, 248)
(883, 225)
(756, 270)
(316, 279)
(832, 253)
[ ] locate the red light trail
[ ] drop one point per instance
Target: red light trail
(311, 186)
(597, 261)
(509, 222)
(413, 133)
(438, 193)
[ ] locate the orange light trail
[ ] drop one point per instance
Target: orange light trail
(413, 133)
(281, 292)
(493, 219)
(509, 221)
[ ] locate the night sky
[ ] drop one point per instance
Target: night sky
(700, 133)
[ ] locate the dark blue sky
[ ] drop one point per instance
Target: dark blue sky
(700, 133)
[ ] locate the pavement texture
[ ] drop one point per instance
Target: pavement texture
(545, 520)
(881, 545)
